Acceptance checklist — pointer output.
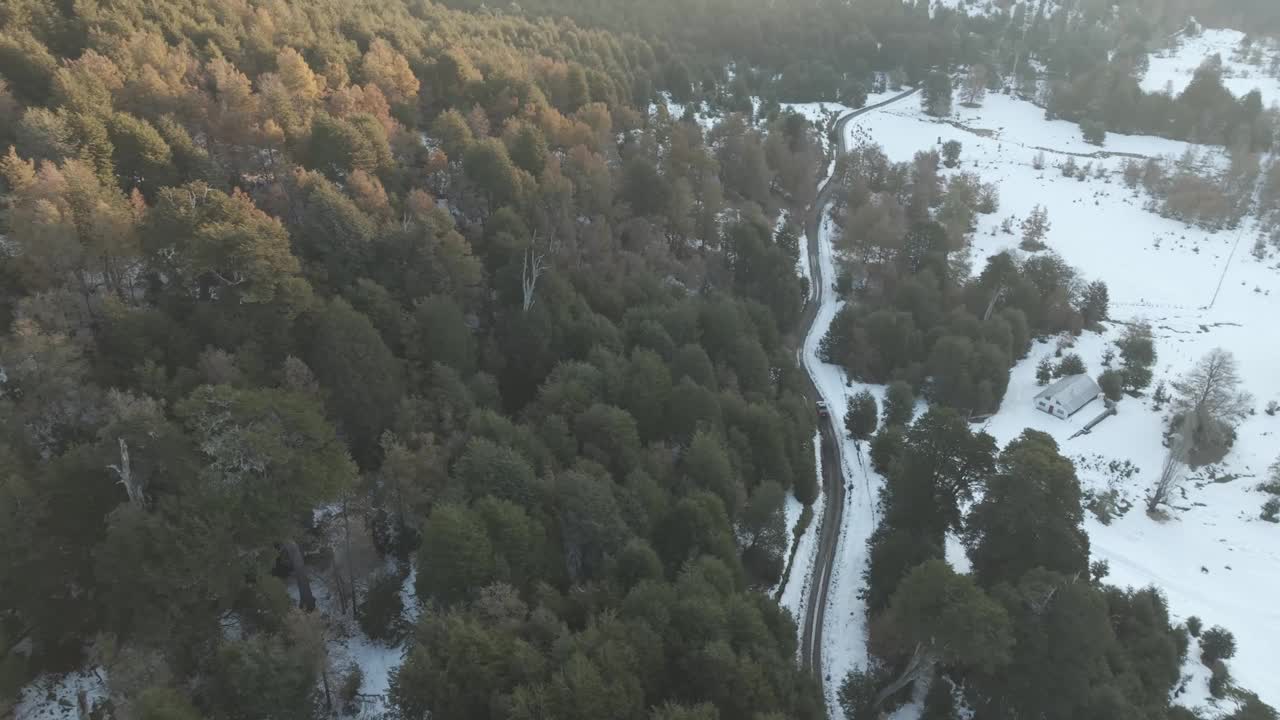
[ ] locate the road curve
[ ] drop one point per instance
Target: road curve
(832, 476)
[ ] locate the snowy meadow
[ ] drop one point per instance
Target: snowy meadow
(1199, 289)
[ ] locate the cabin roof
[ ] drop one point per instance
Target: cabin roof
(1072, 392)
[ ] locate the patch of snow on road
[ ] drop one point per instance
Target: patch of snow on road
(1214, 557)
(1255, 66)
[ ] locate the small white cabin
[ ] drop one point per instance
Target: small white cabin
(1065, 397)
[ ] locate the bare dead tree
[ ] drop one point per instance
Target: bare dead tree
(975, 86)
(921, 664)
(535, 264)
(1211, 389)
(1175, 463)
(125, 472)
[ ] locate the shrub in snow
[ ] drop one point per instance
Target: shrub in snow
(1272, 483)
(1112, 384)
(1219, 680)
(988, 200)
(1044, 371)
(1217, 643)
(1271, 510)
(1106, 505)
(1034, 229)
(1071, 364)
(951, 153)
(1193, 626)
(1160, 395)
(1272, 407)
(1137, 355)
(1182, 639)
(1132, 173)
(379, 614)
(1095, 133)
(351, 685)
(1251, 708)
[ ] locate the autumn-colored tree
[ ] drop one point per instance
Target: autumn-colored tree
(389, 70)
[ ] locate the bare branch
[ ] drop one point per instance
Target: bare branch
(1175, 462)
(533, 266)
(125, 472)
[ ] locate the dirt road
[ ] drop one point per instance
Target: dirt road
(832, 478)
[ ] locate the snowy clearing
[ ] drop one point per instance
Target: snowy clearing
(347, 643)
(1213, 558)
(1245, 67)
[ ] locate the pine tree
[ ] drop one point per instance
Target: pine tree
(1030, 515)
(1044, 371)
(1094, 302)
(1137, 355)
(1070, 364)
(1034, 229)
(936, 96)
(899, 404)
(975, 86)
(861, 418)
(944, 618)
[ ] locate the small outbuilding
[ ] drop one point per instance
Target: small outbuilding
(1065, 397)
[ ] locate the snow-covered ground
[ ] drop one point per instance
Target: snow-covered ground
(1245, 68)
(1213, 557)
(701, 112)
(348, 644)
(973, 8)
(51, 697)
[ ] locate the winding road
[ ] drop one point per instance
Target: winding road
(832, 476)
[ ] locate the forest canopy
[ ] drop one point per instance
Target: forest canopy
(431, 327)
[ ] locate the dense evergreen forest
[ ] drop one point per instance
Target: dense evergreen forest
(431, 317)
(349, 288)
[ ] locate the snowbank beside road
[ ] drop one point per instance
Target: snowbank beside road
(844, 632)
